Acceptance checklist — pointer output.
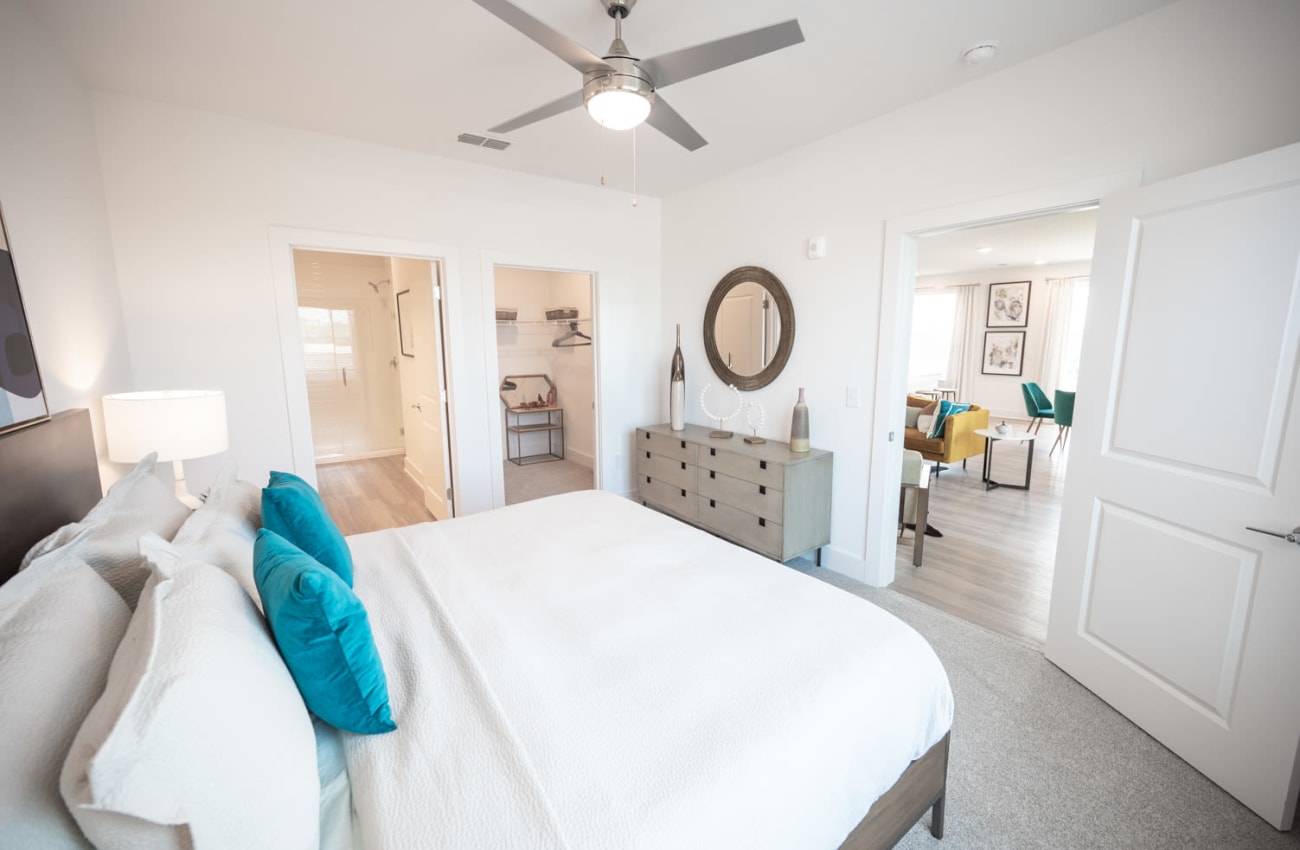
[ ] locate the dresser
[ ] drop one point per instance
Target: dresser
(763, 497)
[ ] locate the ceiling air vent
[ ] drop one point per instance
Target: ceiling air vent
(482, 141)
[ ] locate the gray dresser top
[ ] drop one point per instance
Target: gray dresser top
(771, 450)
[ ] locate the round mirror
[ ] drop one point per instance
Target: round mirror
(749, 328)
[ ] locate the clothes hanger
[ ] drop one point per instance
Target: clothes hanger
(573, 333)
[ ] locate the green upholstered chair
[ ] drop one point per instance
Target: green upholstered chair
(1063, 417)
(1036, 405)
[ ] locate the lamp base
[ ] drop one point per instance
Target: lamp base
(182, 490)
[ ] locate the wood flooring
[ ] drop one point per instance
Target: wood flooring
(369, 495)
(993, 566)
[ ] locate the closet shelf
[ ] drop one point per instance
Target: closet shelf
(540, 321)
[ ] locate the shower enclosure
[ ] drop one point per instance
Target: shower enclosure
(348, 317)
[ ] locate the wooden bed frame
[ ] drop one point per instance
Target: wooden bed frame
(50, 475)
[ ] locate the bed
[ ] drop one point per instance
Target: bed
(582, 672)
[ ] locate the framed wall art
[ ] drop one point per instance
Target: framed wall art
(1008, 305)
(22, 397)
(405, 330)
(1004, 352)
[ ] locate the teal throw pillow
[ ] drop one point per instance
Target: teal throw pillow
(293, 509)
(946, 409)
(323, 634)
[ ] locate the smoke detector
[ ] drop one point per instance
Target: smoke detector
(980, 52)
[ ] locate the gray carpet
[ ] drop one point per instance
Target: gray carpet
(1039, 761)
(535, 480)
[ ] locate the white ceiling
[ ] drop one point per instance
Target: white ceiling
(415, 74)
(1060, 238)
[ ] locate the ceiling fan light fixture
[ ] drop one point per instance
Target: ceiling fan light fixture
(618, 97)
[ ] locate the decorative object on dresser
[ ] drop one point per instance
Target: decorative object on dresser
(677, 387)
(747, 342)
(755, 440)
(22, 398)
(763, 497)
(526, 399)
(177, 424)
(719, 433)
(799, 425)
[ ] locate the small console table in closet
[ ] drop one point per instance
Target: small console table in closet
(763, 497)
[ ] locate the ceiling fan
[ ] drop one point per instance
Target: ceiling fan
(620, 90)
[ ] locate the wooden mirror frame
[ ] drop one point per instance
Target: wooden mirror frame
(784, 306)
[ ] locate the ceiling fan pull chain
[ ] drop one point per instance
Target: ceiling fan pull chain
(604, 134)
(633, 166)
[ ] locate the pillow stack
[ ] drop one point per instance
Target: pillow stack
(946, 409)
(303, 570)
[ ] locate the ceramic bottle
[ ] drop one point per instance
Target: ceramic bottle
(799, 426)
(677, 387)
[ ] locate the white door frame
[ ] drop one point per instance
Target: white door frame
(546, 263)
(283, 242)
(897, 284)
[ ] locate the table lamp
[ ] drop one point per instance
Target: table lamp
(177, 424)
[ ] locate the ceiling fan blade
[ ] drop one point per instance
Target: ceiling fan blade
(555, 107)
(692, 61)
(571, 52)
(666, 120)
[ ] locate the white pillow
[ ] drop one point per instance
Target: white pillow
(201, 739)
(221, 532)
(59, 626)
(108, 537)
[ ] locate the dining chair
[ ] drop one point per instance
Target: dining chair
(1036, 405)
(1063, 417)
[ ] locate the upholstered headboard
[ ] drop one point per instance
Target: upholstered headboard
(49, 476)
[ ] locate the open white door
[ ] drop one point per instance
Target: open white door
(1187, 430)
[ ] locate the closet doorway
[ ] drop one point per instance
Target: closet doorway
(546, 381)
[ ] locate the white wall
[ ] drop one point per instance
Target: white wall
(192, 197)
(1001, 394)
(53, 201)
(1196, 83)
(524, 348)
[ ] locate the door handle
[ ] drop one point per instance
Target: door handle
(1293, 537)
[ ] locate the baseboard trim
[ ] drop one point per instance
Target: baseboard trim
(325, 461)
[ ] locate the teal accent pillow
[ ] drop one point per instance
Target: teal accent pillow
(324, 636)
(293, 509)
(946, 409)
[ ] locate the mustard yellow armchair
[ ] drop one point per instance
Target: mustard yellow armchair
(959, 440)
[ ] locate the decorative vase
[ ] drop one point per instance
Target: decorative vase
(799, 426)
(677, 388)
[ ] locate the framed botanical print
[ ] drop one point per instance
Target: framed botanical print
(22, 397)
(1008, 305)
(1004, 353)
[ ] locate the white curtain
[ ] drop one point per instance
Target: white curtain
(961, 361)
(1059, 342)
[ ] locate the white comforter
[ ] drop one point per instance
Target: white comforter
(580, 672)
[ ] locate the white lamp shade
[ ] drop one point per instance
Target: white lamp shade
(177, 424)
(618, 110)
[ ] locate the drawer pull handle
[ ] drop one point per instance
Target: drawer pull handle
(762, 523)
(712, 474)
(647, 479)
(683, 464)
(683, 494)
(762, 490)
(647, 434)
(762, 464)
(683, 444)
(647, 455)
(713, 452)
(712, 503)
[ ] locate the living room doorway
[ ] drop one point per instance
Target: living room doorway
(994, 306)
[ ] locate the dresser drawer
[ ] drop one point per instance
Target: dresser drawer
(744, 528)
(757, 499)
(678, 501)
(669, 470)
(745, 467)
(673, 447)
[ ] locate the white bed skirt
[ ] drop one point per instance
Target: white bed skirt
(580, 672)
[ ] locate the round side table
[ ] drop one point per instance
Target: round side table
(990, 437)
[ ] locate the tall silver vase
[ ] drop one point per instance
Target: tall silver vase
(677, 388)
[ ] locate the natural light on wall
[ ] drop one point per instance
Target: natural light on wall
(933, 314)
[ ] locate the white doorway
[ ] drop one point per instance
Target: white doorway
(989, 553)
(546, 382)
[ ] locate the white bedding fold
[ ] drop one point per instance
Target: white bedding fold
(580, 672)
